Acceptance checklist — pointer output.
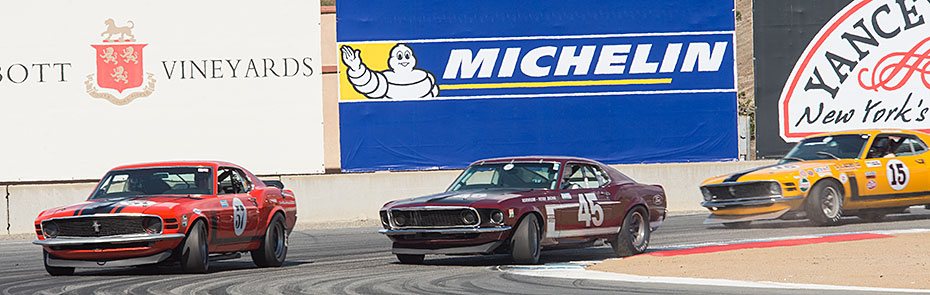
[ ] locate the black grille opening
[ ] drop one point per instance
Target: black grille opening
(104, 246)
(437, 217)
(739, 191)
(99, 226)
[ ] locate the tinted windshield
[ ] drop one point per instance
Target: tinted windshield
(846, 146)
(508, 175)
(156, 181)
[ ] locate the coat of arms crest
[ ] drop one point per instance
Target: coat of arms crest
(119, 66)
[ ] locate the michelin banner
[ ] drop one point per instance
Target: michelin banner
(88, 86)
(435, 84)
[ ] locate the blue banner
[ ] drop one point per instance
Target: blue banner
(429, 84)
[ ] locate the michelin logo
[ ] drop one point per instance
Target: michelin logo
(402, 80)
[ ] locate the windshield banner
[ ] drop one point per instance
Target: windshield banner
(434, 84)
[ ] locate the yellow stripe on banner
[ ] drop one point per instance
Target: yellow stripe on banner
(557, 84)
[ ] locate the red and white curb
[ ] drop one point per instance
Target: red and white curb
(576, 270)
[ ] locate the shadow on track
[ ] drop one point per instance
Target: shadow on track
(846, 220)
(175, 269)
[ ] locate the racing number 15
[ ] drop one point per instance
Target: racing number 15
(587, 210)
(898, 175)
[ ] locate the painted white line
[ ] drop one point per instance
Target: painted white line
(582, 274)
(576, 269)
(545, 37)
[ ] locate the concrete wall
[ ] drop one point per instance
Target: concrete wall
(355, 198)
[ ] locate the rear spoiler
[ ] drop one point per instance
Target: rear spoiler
(275, 183)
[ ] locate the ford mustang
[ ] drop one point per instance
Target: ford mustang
(867, 173)
(521, 205)
(189, 212)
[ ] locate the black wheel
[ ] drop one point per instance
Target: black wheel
(273, 249)
(872, 216)
(410, 258)
(739, 224)
(633, 237)
(54, 270)
(824, 203)
(194, 256)
(525, 241)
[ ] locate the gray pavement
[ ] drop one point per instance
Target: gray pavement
(358, 261)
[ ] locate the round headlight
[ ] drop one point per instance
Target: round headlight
(152, 225)
(497, 217)
(399, 219)
(775, 188)
(50, 229)
(707, 196)
(469, 217)
(384, 218)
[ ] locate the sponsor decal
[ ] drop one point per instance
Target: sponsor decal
(550, 198)
(810, 172)
(898, 174)
(224, 204)
(119, 66)
(137, 203)
(873, 163)
(846, 166)
(510, 212)
(781, 167)
(566, 196)
(803, 173)
(871, 184)
(843, 178)
(528, 200)
(196, 211)
(804, 184)
(821, 171)
(870, 174)
(865, 69)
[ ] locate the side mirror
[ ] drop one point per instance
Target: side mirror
(274, 183)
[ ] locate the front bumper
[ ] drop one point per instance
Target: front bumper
(450, 231)
(755, 201)
(107, 240)
(152, 259)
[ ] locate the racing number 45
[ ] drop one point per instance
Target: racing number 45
(588, 211)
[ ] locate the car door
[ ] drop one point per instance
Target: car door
(579, 212)
(237, 216)
(890, 164)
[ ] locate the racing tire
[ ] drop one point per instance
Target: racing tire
(525, 241)
(273, 250)
(55, 270)
(824, 203)
(737, 225)
(872, 216)
(410, 258)
(633, 237)
(195, 258)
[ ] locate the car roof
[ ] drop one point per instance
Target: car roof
(176, 163)
(536, 158)
(870, 132)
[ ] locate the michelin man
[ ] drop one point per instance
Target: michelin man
(402, 80)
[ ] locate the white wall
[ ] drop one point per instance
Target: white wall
(347, 198)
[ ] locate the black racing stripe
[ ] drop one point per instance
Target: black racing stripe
(101, 207)
(78, 210)
(853, 188)
(736, 176)
(894, 196)
(214, 224)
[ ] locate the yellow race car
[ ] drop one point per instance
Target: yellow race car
(866, 173)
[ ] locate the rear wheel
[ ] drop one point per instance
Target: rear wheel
(194, 255)
(410, 258)
(740, 224)
(633, 237)
(273, 249)
(525, 241)
(824, 204)
(54, 270)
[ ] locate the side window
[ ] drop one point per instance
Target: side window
(602, 177)
(590, 178)
(883, 145)
(229, 181)
(910, 146)
(573, 177)
(244, 184)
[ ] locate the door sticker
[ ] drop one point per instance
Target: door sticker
(898, 174)
(844, 178)
(804, 184)
(239, 216)
(871, 184)
(588, 211)
(873, 163)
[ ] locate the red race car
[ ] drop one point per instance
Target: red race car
(524, 204)
(157, 212)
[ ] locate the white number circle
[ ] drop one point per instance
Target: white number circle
(239, 216)
(898, 174)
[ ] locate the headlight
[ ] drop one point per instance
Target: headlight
(152, 225)
(384, 218)
(469, 217)
(399, 219)
(497, 217)
(707, 195)
(50, 229)
(775, 188)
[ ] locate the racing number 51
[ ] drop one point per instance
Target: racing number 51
(587, 210)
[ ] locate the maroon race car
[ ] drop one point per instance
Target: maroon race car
(524, 204)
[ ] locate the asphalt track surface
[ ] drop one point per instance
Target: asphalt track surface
(358, 261)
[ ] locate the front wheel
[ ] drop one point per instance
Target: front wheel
(633, 237)
(194, 255)
(824, 204)
(273, 249)
(525, 241)
(54, 270)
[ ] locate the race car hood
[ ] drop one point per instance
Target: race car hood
(136, 204)
(820, 167)
(465, 197)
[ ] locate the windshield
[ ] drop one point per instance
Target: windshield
(508, 175)
(846, 146)
(156, 181)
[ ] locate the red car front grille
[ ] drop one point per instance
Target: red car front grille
(91, 226)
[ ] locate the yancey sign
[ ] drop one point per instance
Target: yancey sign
(94, 88)
(869, 67)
